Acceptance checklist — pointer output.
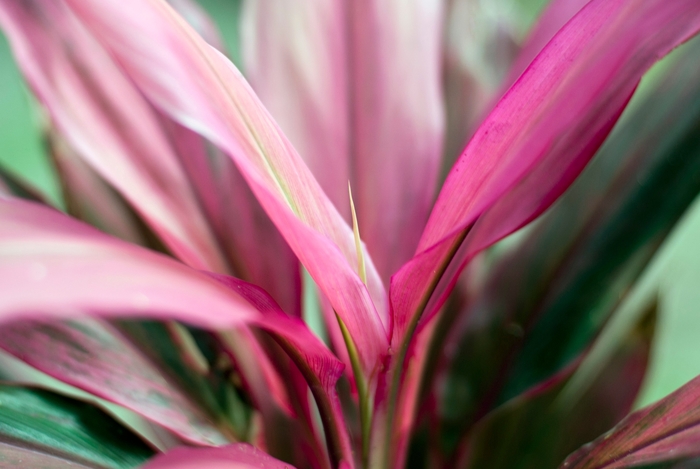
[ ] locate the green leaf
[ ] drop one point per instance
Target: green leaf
(42, 422)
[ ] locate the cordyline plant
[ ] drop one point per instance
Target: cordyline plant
(225, 225)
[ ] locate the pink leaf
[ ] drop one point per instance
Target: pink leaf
(80, 270)
(397, 121)
(295, 58)
(480, 45)
(540, 136)
(107, 122)
(249, 241)
(320, 368)
(236, 456)
(554, 17)
(199, 87)
(356, 86)
(52, 266)
(88, 197)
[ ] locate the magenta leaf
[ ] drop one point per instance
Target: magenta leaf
(44, 249)
(556, 14)
(539, 137)
(394, 48)
(88, 197)
(476, 59)
(543, 303)
(236, 456)
(236, 218)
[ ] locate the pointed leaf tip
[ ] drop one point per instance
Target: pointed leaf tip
(361, 269)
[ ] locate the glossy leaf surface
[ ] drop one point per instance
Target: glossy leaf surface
(44, 249)
(107, 123)
(46, 424)
(356, 88)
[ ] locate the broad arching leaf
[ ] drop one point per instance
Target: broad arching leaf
(44, 251)
(195, 84)
(539, 137)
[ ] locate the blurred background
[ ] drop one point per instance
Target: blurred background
(675, 272)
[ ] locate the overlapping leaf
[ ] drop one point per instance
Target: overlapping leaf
(108, 123)
(195, 84)
(539, 137)
(545, 302)
(39, 429)
(553, 18)
(480, 44)
(45, 250)
(356, 87)
(540, 428)
(94, 358)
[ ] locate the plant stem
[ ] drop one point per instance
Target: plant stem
(399, 362)
(339, 447)
(362, 391)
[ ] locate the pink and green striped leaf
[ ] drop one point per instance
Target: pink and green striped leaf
(95, 358)
(665, 432)
(544, 303)
(41, 430)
